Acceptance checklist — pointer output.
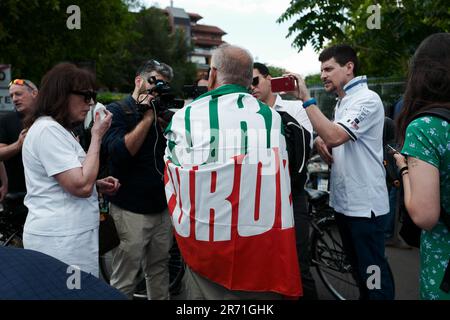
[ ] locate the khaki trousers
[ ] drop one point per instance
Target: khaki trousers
(145, 241)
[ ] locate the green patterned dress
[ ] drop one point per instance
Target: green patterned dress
(427, 139)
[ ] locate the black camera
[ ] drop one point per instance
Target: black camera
(164, 100)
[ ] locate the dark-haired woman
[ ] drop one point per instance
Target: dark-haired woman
(63, 216)
(426, 169)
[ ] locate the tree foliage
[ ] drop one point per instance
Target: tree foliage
(112, 39)
(384, 51)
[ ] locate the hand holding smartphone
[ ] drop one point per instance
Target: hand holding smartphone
(391, 149)
(282, 84)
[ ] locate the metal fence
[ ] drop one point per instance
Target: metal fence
(389, 90)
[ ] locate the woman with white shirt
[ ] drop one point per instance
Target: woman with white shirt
(63, 217)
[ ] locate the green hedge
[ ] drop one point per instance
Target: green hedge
(108, 97)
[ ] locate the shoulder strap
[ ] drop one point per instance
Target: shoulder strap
(440, 112)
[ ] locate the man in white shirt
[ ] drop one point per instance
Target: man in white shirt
(352, 144)
(262, 90)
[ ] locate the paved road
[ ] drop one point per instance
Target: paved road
(405, 267)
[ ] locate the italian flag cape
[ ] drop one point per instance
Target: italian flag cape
(228, 191)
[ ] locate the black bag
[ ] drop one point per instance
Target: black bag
(298, 148)
(107, 233)
(409, 231)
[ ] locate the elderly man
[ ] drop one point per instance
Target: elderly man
(227, 187)
(12, 134)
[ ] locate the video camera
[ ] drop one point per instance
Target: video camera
(164, 100)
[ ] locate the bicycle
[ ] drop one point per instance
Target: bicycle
(328, 256)
(12, 219)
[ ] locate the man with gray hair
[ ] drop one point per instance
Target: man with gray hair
(23, 94)
(134, 148)
(227, 188)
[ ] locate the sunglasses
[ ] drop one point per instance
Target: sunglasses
(87, 94)
(255, 81)
(20, 82)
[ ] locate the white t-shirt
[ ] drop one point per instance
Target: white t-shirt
(358, 183)
(50, 149)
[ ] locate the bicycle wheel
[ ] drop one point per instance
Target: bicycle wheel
(13, 239)
(331, 262)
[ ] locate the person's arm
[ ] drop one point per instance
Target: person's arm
(331, 134)
(80, 181)
(8, 151)
(421, 191)
(4, 180)
(136, 137)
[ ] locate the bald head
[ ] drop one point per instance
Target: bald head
(233, 65)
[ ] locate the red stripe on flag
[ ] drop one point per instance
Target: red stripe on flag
(258, 192)
(213, 181)
(211, 224)
(233, 198)
(277, 222)
(179, 194)
(192, 199)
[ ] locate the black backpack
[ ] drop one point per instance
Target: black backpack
(298, 148)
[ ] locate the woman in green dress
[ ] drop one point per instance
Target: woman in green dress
(425, 166)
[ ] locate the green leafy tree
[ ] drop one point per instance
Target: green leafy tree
(34, 35)
(112, 40)
(384, 51)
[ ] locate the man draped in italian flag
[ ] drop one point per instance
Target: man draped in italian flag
(228, 190)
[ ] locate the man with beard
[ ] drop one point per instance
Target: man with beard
(134, 147)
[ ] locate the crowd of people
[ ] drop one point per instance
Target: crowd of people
(216, 177)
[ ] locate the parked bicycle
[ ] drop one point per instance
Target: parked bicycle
(12, 219)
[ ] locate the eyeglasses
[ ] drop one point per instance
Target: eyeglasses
(20, 82)
(87, 94)
(255, 81)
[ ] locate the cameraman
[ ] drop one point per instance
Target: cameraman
(134, 148)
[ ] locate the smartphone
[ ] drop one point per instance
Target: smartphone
(281, 84)
(392, 149)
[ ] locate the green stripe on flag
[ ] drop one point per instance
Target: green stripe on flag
(244, 137)
(265, 112)
(239, 101)
(187, 125)
(171, 144)
(214, 131)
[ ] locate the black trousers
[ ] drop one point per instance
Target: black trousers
(363, 242)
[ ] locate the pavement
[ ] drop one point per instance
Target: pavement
(404, 264)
